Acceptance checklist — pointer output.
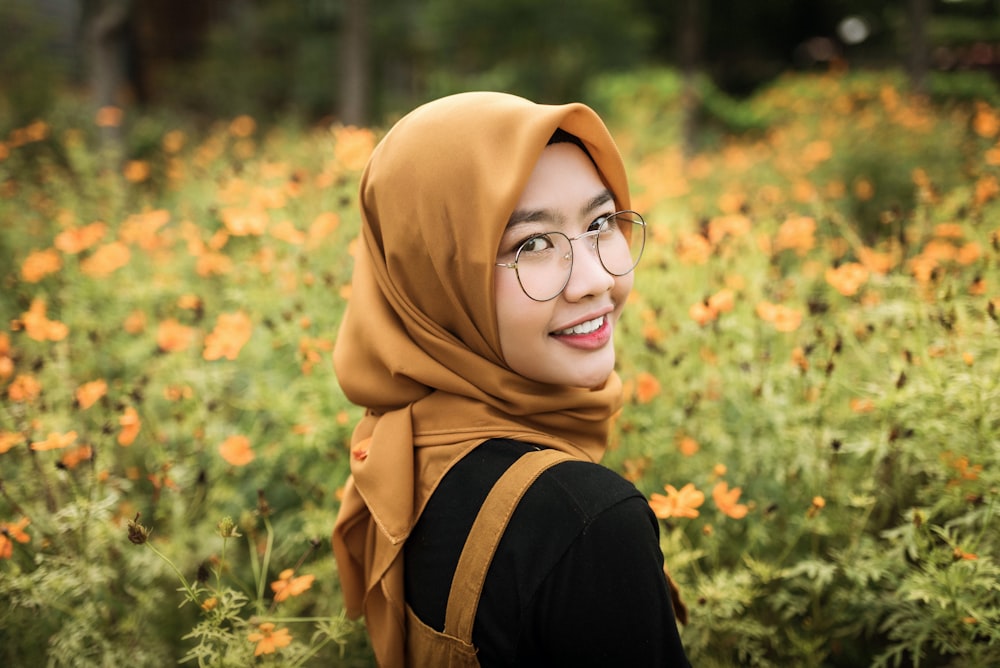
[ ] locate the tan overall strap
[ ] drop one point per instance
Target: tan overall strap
(467, 585)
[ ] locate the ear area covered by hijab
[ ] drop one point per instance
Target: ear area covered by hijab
(418, 345)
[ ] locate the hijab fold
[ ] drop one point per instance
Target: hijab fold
(418, 346)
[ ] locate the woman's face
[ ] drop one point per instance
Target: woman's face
(567, 340)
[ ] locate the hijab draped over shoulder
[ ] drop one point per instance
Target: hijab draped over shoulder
(418, 346)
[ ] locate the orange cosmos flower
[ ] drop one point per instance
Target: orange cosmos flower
(726, 498)
(135, 323)
(136, 171)
(8, 439)
(172, 336)
(647, 387)
(862, 405)
(286, 586)
(25, 388)
(797, 233)
(735, 225)
(9, 533)
(985, 122)
(106, 260)
(677, 503)
(232, 331)
(242, 126)
(287, 232)
(72, 457)
(245, 221)
(39, 327)
(693, 249)
(323, 226)
(131, 425)
(55, 441)
(874, 261)
(722, 301)
(75, 240)
(848, 278)
(969, 253)
(688, 446)
(783, 318)
(109, 117)
(702, 313)
(269, 640)
(89, 393)
(236, 450)
(353, 146)
(173, 141)
(40, 264)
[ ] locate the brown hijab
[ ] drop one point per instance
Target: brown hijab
(418, 346)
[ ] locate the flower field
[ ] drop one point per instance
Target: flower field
(811, 360)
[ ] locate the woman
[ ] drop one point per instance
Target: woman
(488, 282)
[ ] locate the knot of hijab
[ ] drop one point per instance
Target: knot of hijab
(418, 346)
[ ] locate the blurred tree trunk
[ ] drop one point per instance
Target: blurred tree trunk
(354, 72)
(918, 12)
(689, 56)
(104, 26)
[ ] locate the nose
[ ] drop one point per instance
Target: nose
(588, 276)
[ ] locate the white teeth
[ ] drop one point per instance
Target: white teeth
(583, 327)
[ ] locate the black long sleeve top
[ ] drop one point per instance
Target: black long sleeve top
(577, 578)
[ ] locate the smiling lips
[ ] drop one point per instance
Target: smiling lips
(589, 335)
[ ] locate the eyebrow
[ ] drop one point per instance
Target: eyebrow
(535, 215)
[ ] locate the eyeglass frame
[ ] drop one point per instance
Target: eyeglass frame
(572, 255)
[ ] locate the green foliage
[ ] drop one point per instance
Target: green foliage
(853, 417)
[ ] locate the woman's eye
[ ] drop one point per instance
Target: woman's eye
(602, 223)
(536, 244)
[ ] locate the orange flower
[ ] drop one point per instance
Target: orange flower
(722, 301)
(8, 439)
(783, 318)
(269, 640)
(212, 263)
(10, 532)
(677, 503)
(702, 313)
(71, 458)
(353, 146)
(726, 498)
(848, 278)
(693, 249)
(106, 260)
(236, 450)
(76, 240)
(136, 171)
(242, 126)
(25, 388)
(875, 262)
(800, 359)
(40, 264)
(735, 225)
(135, 323)
(859, 405)
(131, 425)
(109, 117)
(232, 331)
(89, 393)
(796, 233)
(245, 221)
(688, 446)
(323, 226)
(287, 232)
(55, 441)
(39, 327)
(286, 586)
(172, 336)
(647, 387)
(969, 253)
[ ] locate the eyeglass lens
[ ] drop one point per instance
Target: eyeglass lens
(544, 262)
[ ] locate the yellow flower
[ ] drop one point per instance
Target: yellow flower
(269, 640)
